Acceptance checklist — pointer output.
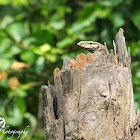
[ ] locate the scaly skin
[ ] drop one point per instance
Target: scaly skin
(92, 46)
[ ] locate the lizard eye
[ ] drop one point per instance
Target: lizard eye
(90, 43)
(97, 47)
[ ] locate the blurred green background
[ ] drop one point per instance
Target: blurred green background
(35, 37)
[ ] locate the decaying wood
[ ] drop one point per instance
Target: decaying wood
(92, 98)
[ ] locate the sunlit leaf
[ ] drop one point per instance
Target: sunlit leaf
(41, 50)
(4, 45)
(51, 58)
(11, 51)
(58, 25)
(5, 64)
(5, 1)
(57, 51)
(5, 21)
(17, 2)
(40, 64)
(65, 42)
(16, 31)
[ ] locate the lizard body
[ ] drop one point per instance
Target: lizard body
(92, 46)
(97, 48)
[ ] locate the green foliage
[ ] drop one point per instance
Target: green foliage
(35, 36)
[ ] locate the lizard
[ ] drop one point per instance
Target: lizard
(93, 47)
(96, 48)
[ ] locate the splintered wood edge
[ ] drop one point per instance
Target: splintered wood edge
(121, 50)
(107, 52)
(114, 47)
(81, 61)
(57, 74)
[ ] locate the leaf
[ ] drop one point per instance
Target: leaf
(3, 2)
(6, 49)
(4, 84)
(136, 81)
(4, 45)
(40, 64)
(9, 137)
(42, 50)
(5, 21)
(17, 65)
(42, 35)
(18, 92)
(17, 2)
(51, 58)
(137, 106)
(29, 85)
(5, 64)
(3, 76)
(15, 114)
(17, 31)
(28, 56)
(28, 41)
(110, 3)
(12, 51)
(136, 18)
(65, 42)
(13, 82)
(137, 96)
(90, 12)
(58, 25)
(20, 105)
(117, 19)
(135, 46)
(138, 73)
(57, 51)
(2, 110)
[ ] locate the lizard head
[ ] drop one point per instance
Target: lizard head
(92, 46)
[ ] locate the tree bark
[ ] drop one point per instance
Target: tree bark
(92, 98)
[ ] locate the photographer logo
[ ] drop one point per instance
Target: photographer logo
(10, 133)
(2, 122)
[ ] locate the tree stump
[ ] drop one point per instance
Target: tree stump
(92, 98)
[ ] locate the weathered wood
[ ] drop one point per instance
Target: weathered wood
(114, 47)
(107, 52)
(92, 98)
